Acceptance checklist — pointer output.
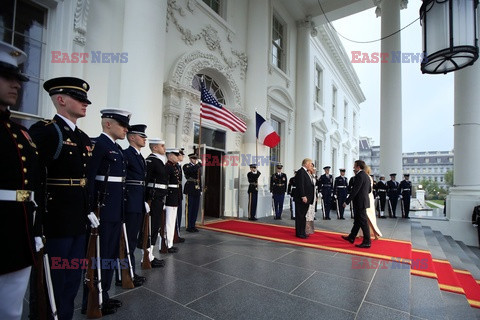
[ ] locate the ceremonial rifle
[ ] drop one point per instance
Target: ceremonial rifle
(146, 264)
(95, 300)
(402, 206)
(127, 276)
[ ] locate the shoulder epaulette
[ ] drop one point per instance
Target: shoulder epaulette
(48, 122)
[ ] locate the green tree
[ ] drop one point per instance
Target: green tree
(449, 178)
(432, 190)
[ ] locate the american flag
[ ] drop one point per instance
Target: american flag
(212, 110)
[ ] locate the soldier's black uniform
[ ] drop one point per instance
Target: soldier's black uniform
(252, 194)
(382, 194)
(326, 189)
(405, 189)
(192, 191)
(20, 171)
(156, 191)
(291, 191)
(278, 187)
(340, 191)
(172, 201)
(66, 154)
(392, 193)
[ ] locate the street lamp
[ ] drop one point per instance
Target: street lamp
(449, 29)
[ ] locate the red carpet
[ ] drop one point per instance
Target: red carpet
(422, 264)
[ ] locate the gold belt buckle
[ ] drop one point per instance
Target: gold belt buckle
(197, 187)
(83, 182)
(23, 195)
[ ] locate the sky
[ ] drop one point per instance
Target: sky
(427, 99)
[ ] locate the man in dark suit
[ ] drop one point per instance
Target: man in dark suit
(304, 195)
(65, 152)
(107, 158)
(278, 187)
(340, 192)
(135, 206)
(359, 197)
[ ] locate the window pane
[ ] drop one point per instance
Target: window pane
(6, 20)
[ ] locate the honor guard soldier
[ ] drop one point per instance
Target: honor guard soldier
(156, 191)
(252, 177)
(291, 191)
(405, 189)
(192, 190)
(278, 187)
(340, 192)
(19, 182)
(326, 190)
(382, 195)
(393, 195)
(135, 205)
(172, 200)
(65, 152)
(107, 172)
(177, 238)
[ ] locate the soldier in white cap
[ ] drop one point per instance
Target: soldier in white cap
(19, 179)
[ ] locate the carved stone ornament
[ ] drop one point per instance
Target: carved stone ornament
(80, 22)
(211, 37)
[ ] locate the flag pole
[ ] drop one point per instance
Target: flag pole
(200, 171)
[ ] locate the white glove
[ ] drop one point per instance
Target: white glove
(199, 161)
(335, 196)
(387, 197)
(94, 222)
(38, 243)
(320, 195)
(147, 207)
(378, 198)
(400, 197)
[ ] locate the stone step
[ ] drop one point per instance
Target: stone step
(468, 264)
(457, 305)
(469, 251)
(450, 253)
(426, 299)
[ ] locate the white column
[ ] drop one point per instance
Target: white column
(141, 88)
(258, 42)
(390, 92)
(304, 96)
(466, 173)
(257, 71)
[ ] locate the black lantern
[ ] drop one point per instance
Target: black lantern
(449, 29)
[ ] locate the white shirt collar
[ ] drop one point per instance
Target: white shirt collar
(108, 137)
(161, 157)
(69, 122)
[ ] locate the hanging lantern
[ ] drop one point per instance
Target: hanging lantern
(449, 29)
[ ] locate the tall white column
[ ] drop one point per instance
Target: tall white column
(258, 26)
(304, 97)
(391, 91)
(141, 88)
(257, 71)
(466, 172)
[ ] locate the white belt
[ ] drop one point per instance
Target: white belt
(341, 186)
(110, 179)
(157, 185)
(16, 195)
(173, 185)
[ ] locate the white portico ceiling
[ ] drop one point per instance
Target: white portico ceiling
(334, 9)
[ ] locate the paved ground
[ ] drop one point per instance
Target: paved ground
(221, 276)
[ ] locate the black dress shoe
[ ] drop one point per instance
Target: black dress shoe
(329, 218)
(172, 250)
(137, 282)
(195, 230)
(118, 283)
(156, 263)
(348, 239)
(136, 276)
(302, 236)
(180, 240)
(190, 230)
(394, 217)
(363, 245)
(106, 310)
(113, 303)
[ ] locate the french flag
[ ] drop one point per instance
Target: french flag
(265, 133)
